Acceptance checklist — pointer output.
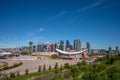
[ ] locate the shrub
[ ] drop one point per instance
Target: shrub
(39, 69)
(18, 73)
(44, 67)
(26, 71)
(61, 67)
(56, 66)
(66, 65)
(12, 74)
(49, 67)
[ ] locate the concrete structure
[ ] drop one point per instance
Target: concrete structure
(71, 55)
(5, 55)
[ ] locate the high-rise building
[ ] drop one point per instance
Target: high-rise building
(110, 49)
(67, 45)
(34, 48)
(31, 46)
(38, 47)
(89, 47)
(77, 45)
(61, 46)
(117, 50)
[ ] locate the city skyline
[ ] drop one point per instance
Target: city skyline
(96, 21)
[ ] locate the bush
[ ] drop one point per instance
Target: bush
(61, 67)
(26, 72)
(44, 67)
(5, 66)
(83, 62)
(49, 67)
(5, 77)
(12, 74)
(56, 66)
(39, 70)
(66, 65)
(18, 73)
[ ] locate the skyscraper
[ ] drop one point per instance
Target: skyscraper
(61, 46)
(38, 47)
(67, 45)
(117, 50)
(34, 48)
(110, 49)
(77, 45)
(89, 47)
(31, 46)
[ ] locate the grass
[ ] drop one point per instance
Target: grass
(30, 75)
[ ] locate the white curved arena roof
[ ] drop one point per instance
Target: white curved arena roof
(65, 52)
(4, 53)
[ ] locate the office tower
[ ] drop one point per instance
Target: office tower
(61, 46)
(77, 45)
(34, 48)
(117, 50)
(89, 47)
(67, 45)
(38, 47)
(31, 46)
(110, 49)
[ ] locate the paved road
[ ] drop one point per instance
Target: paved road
(32, 65)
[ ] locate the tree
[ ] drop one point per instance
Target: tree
(26, 71)
(74, 71)
(66, 65)
(49, 67)
(18, 73)
(39, 69)
(61, 67)
(44, 67)
(83, 62)
(12, 74)
(56, 66)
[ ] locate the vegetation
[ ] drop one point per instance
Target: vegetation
(39, 69)
(56, 66)
(6, 67)
(50, 67)
(105, 68)
(26, 72)
(44, 67)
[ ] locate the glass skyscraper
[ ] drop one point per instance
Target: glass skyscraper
(77, 45)
(31, 46)
(89, 47)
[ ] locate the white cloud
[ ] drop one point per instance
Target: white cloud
(36, 31)
(89, 6)
(41, 29)
(58, 15)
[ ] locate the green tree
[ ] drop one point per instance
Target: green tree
(12, 74)
(66, 65)
(83, 62)
(56, 66)
(49, 67)
(61, 67)
(26, 71)
(44, 67)
(39, 69)
(18, 73)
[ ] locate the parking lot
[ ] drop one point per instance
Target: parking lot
(32, 63)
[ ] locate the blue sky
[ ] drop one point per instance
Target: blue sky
(96, 21)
